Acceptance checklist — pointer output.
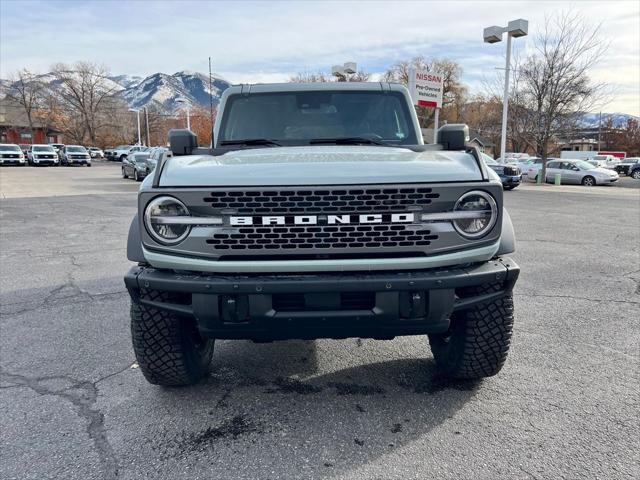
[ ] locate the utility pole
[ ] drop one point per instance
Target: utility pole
(599, 132)
(146, 117)
(137, 110)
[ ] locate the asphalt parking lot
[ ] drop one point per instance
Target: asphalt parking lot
(74, 405)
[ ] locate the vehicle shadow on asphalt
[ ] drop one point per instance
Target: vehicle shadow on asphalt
(262, 393)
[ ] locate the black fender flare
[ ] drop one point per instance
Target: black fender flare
(134, 242)
(508, 235)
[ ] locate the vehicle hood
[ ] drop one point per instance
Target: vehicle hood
(319, 165)
(2, 150)
(603, 172)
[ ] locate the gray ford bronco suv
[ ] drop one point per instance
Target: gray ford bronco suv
(319, 212)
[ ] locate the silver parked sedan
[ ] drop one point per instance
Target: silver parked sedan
(580, 172)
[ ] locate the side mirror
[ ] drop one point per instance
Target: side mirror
(182, 141)
(453, 136)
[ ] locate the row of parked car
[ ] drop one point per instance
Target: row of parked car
(584, 172)
(138, 163)
(47, 154)
(591, 172)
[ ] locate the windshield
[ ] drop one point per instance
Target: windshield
(488, 160)
(46, 148)
(297, 118)
(10, 148)
(582, 165)
(76, 149)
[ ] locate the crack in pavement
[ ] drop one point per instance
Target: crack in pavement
(75, 293)
(635, 280)
(77, 296)
(82, 394)
(573, 297)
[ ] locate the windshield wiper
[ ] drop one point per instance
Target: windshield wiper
(348, 141)
(251, 141)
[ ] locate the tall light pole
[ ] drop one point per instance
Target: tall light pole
(515, 28)
(137, 110)
(187, 106)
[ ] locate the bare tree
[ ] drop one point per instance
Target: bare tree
(555, 83)
(320, 77)
(26, 90)
(453, 91)
(88, 94)
(307, 77)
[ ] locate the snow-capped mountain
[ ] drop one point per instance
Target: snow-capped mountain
(592, 120)
(165, 90)
(126, 81)
(159, 90)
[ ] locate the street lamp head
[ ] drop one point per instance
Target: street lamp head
(518, 28)
(134, 109)
(350, 67)
(492, 34)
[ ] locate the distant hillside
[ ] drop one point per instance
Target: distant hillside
(159, 89)
(164, 90)
(592, 120)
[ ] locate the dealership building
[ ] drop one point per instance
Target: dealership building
(14, 126)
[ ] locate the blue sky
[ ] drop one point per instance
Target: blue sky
(270, 41)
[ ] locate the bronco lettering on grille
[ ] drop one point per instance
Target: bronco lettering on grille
(323, 219)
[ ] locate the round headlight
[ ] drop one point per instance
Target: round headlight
(478, 214)
(163, 216)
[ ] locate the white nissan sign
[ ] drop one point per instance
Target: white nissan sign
(426, 88)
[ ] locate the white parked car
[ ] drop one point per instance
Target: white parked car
(120, 153)
(579, 172)
(532, 168)
(597, 163)
(609, 161)
(524, 164)
(11, 154)
(95, 152)
(511, 157)
(42, 155)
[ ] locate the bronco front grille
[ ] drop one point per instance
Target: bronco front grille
(329, 200)
(323, 237)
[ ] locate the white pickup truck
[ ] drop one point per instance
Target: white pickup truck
(121, 152)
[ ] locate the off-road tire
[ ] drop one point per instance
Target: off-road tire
(168, 348)
(477, 342)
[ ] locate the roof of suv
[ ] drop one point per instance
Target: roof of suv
(301, 87)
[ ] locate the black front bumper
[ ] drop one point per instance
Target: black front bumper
(340, 305)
